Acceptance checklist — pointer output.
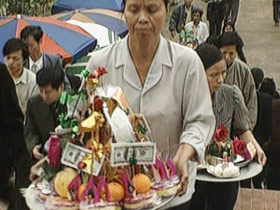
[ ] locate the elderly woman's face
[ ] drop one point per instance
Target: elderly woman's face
(145, 18)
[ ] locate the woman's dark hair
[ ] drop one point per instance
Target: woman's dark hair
(35, 31)
(213, 40)
(258, 76)
(53, 76)
(209, 54)
(165, 3)
(228, 24)
(15, 44)
(269, 86)
(232, 38)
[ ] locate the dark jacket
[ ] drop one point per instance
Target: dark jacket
(262, 130)
(178, 18)
(11, 116)
(49, 60)
(42, 118)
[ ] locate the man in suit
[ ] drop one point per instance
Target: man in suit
(43, 110)
(12, 148)
(32, 36)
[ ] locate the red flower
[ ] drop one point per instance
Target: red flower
(99, 72)
(54, 152)
(239, 147)
(97, 103)
(221, 133)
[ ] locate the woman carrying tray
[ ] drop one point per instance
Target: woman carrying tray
(230, 110)
(165, 82)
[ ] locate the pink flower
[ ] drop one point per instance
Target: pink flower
(221, 133)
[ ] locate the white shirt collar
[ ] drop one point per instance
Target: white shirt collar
(38, 63)
(23, 77)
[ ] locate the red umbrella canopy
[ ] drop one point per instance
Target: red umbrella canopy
(67, 40)
(112, 20)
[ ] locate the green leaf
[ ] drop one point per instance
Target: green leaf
(48, 171)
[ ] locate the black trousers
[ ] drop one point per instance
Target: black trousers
(214, 196)
(215, 16)
(18, 160)
(231, 11)
(184, 206)
(276, 10)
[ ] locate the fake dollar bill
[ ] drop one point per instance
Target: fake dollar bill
(73, 154)
(131, 153)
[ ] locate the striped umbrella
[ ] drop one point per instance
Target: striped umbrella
(67, 40)
(112, 20)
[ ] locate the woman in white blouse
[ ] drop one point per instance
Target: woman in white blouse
(165, 82)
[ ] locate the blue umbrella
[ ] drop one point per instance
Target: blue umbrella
(67, 40)
(62, 5)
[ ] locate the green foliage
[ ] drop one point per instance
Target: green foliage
(26, 7)
(48, 171)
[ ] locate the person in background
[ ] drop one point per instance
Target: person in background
(230, 110)
(239, 73)
(276, 12)
(272, 170)
(262, 130)
(43, 110)
(231, 12)
(180, 16)
(165, 82)
(33, 37)
(215, 16)
(13, 152)
(15, 54)
(198, 27)
(269, 86)
(228, 27)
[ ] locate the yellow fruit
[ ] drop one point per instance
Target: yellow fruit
(62, 180)
(142, 183)
(116, 191)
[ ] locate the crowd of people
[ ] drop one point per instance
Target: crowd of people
(184, 94)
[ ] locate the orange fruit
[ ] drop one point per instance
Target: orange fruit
(116, 191)
(142, 183)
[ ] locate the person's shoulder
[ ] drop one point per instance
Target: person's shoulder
(51, 55)
(35, 100)
(242, 66)
(112, 48)
(31, 75)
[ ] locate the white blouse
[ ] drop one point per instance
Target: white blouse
(175, 97)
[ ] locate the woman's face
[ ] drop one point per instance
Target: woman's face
(215, 75)
(145, 18)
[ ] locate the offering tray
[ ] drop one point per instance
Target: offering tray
(246, 172)
(34, 204)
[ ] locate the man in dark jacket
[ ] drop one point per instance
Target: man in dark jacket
(13, 152)
(181, 15)
(43, 110)
(32, 36)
